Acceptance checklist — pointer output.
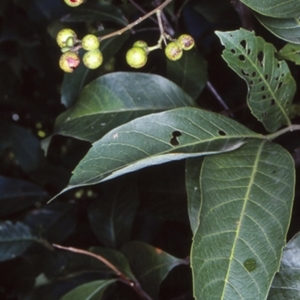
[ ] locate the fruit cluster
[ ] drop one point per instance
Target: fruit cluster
(137, 56)
(69, 60)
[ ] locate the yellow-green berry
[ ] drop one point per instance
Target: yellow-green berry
(74, 3)
(64, 35)
(186, 42)
(69, 61)
(136, 57)
(173, 51)
(140, 44)
(90, 42)
(93, 59)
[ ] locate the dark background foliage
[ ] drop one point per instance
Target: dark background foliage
(30, 101)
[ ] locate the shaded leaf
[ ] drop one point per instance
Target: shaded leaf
(275, 8)
(116, 98)
(156, 139)
(287, 29)
(116, 258)
(271, 86)
(244, 219)
(17, 194)
(286, 284)
(89, 291)
(290, 52)
(150, 265)
(111, 217)
(192, 182)
(189, 72)
(96, 12)
(73, 83)
(14, 239)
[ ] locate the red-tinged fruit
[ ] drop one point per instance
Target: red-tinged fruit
(186, 42)
(173, 51)
(69, 61)
(74, 3)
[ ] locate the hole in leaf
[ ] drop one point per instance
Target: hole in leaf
(264, 97)
(233, 51)
(280, 85)
(250, 264)
(241, 57)
(222, 133)
(263, 88)
(253, 74)
(272, 102)
(274, 171)
(266, 76)
(248, 51)
(251, 82)
(244, 72)
(174, 141)
(260, 56)
(243, 43)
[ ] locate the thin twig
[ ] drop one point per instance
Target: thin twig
(142, 10)
(217, 95)
(135, 285)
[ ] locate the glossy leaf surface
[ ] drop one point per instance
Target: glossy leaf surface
(286, 284)
(244, 219)
(150, 265)
(156, 139)
(290, 52)
(189, 72)
(89, 291)
(275, 8)
(271, 87)
(115, 99)
(287, 29)
(14, 239)
(192, 181)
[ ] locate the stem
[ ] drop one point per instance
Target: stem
(138, 21)
(216, 94)
(290, 128)
(135, 285)
(141, 10)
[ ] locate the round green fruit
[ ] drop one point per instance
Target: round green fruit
(90, 42)
(74, 3)
(173, 51)
(93, 59)
(186, 42)
(69, 61)
(140, 44)
(64, 35)
(136, 57)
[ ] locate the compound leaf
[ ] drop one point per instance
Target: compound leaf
(271, 86)
(245, 214)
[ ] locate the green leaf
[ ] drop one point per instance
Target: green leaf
(150, 265)
(96, 12)
(247, 198)
(116, 258)
(287, 29)
(112, 216)
(270, 85)
(73, 83)
(189, 72)
(116, 98)
(275, 8)
(286, 284)
(156, 139)
(192, 182)
(14, 239)
(17, 194)
(89, 291)
(290, 52)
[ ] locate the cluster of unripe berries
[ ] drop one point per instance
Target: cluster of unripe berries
(69, 61)
(137, 56)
